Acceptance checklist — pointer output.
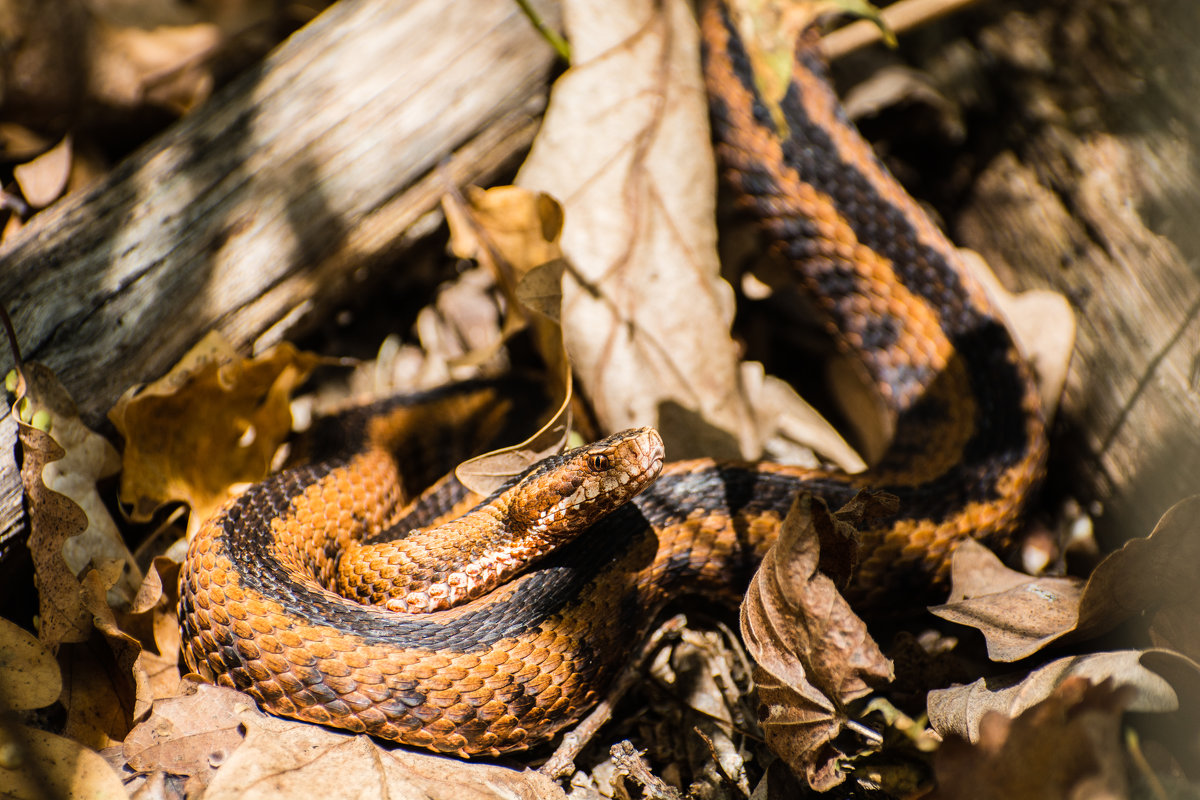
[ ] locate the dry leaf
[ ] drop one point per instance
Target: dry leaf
(165, 66)
(87, 458)
(213, 421)
(960, 710)
(53, 519)
(190, 735)
(37, 765)
(646, 314)
(1158, 570)
(1017, 614)
(1146, 574)
(43, 179)
(107, 689)
(284, 759)
(813, 654)
(1067, 746)
(29, 676)
(514, 232)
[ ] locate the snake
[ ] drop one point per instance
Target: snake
(502, 668)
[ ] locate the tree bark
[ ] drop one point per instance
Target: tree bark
(274, 201)
(1091, 187)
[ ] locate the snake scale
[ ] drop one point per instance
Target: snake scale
(509, 670)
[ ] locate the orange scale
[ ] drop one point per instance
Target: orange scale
(492, 712)
(287, 681)
(320, 649)
(459, 713)
(333, 668)
(247, 650)
(538, 684)
(269, 644)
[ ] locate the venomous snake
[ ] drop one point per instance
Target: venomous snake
(510, 669)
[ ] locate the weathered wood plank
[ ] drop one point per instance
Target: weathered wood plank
(253, 213)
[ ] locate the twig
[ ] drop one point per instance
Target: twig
(559, 44)
(899, 17)
(630, 762)
(12, 336)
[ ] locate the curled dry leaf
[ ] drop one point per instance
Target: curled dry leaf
(515, 232)
(44, 178)
(1020, 615)
(215, 420)
(37, 765)
(1066, 746)
(29, 676)
(813, 654)
(284, 759)
(960, 710)
(646, 314)
(54, 518)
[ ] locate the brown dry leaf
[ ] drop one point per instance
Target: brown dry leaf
(1017, 614)
(813, 654)
(515, 232)
(154, 618)
(646, 315)
(29, 676)
(1067, 746)
(43, 179)
(107, 689)
(37, 765)
(190, 735)
(1025, 614)
(164, 65)
(960, 710)
(88, 457)
(215, 420)
(284, 759)
(53, 519)
(1156, 571)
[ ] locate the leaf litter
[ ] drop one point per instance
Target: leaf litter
(631, 236)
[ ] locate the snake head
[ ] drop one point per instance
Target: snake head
(563, 495)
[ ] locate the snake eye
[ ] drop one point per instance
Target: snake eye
(598, 462)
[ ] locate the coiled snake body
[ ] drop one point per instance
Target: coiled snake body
(508, 670)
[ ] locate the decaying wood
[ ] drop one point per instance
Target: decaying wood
(1096, 194)
(268, 205)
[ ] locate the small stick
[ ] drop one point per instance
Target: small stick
(631, 763)
(899, 17)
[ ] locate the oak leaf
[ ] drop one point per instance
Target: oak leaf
(70, 527)
(214, 421)
(1019, 614)
(960, 710)
(1066, 746)
(813, 655)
